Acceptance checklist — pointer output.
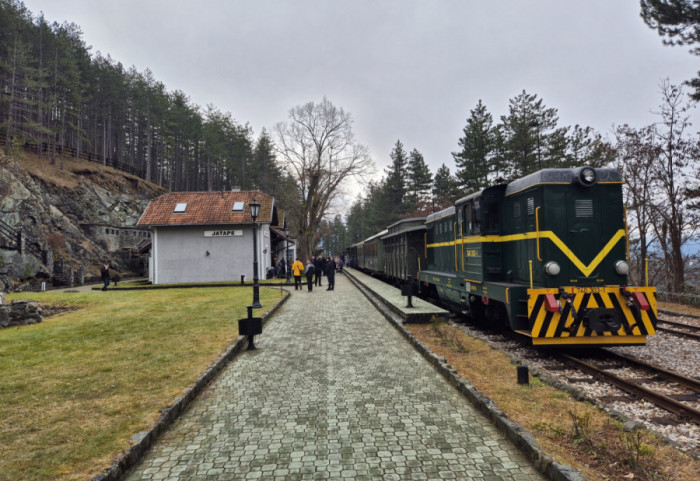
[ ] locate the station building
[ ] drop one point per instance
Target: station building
(208, 236)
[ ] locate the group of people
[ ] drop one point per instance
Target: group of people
(314, 271)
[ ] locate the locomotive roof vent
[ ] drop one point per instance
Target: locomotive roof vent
(585, 176)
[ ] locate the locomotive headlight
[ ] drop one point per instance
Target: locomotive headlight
(585, 176)
(552, 268)
(622, 268)
(588, 175)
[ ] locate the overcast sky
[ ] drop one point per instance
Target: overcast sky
(404, 69)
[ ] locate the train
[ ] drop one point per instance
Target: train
(545, 255)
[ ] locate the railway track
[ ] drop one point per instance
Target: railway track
(670, 391)
(678, 329)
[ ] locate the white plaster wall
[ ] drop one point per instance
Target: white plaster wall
(180, 254)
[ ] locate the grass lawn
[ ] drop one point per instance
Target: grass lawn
(575, 433)
(76, 387)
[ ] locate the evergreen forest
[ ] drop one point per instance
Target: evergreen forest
(61, 99)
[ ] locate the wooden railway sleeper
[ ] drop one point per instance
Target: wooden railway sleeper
(632, 387)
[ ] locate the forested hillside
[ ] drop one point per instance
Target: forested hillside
(59, 97)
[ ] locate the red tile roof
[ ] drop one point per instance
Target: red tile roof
(206, 208)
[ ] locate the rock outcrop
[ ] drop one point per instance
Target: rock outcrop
(20, 313)
(57, 210)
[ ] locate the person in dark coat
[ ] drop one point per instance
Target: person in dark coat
(282, 268)
(104, 274)
(318, 268)
(310, 271)
(330, 273)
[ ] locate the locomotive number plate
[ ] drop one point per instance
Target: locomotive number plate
(588, 290)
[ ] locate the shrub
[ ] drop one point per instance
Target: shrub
(28, 271)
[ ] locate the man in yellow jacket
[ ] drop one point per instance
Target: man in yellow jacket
(297, 270)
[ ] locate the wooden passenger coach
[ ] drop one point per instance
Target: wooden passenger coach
(404, 249)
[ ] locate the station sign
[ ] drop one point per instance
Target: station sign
(223, 233)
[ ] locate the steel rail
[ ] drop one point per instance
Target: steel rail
(631, 387)
(679, 324)
(689, 382)
(674, 332)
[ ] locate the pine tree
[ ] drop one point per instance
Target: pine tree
(355, 222)
(419, 181)
(678, 22)
(587, 147)
(396, 180)
(265, 173)
(445, 188)
(477, 146)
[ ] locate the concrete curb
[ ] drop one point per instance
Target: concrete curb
(522, 438)
(193, 286)
(143, 441)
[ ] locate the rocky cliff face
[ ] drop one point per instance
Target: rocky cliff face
(60, 210)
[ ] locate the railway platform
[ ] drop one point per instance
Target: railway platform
(333, 391)
(391, 298)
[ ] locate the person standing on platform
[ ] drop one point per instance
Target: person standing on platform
(330, 273)
(318, 269)
(310, 271)
(297, 269)
(104, 274)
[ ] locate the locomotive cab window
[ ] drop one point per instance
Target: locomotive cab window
(476, 217)
(467, 215)
(492, 216)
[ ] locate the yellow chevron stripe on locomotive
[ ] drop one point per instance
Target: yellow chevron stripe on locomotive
(606, 315)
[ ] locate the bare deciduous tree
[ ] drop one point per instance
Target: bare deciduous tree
(636, 156)
(675, 171)
(659, 163)
(317, 148)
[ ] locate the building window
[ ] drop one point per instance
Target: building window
(180, 208)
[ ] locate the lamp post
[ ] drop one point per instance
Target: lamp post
(287, 266)
(254, 211)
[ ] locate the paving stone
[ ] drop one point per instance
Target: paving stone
(333, 392)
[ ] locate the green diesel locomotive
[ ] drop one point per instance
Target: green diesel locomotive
(544, 255)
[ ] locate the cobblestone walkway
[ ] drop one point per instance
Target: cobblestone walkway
(333, 392)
